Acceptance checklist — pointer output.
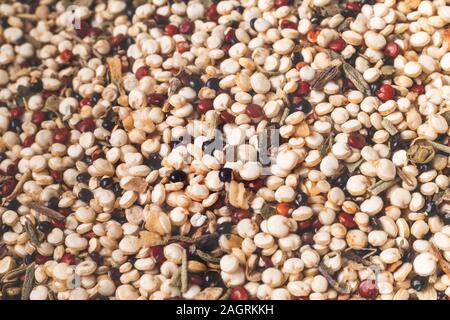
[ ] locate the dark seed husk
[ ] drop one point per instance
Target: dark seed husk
(3, 250)
(326, 146)
(35, 43)
(267, 211)
(351, 255)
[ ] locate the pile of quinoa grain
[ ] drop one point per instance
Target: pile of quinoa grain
(252, 149)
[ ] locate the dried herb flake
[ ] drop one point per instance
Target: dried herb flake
(381, 186)
(339, 288)
(184, 272)
(46, 211)
(207, 257)
(32, 232)
(267, 211)
(28, 282)
(325, 76)
(356, 78)
(326, 146)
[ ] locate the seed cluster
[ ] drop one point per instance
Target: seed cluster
(253, 149)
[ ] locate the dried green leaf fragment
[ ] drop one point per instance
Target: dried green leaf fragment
(175, 281)
(28, 283)
(46, 211)
(326, 146)
(267, 211)
(381, 186)
(356, 78)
